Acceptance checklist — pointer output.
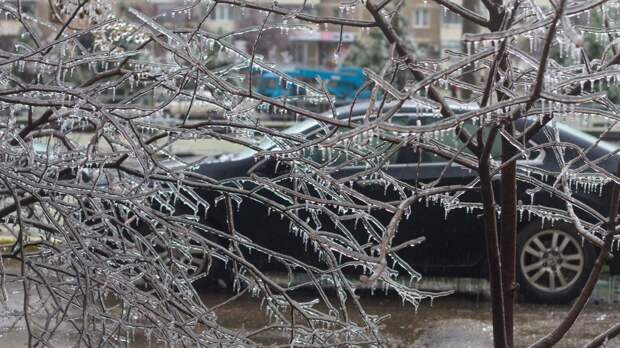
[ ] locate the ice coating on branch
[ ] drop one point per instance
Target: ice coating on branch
(571, 33)
(95, 142)
(158, 28)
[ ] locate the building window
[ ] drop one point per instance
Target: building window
(450, 17)
(172, 13)
(27, 6)
(421, 18)
(222, 13)
(312, 10)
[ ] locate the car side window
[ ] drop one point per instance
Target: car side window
(405, 154)
(375, 144)
(451, 140)
(534, 155)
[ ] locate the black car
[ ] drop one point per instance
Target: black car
(553, 260)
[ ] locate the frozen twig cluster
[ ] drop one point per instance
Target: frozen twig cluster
(112, 227)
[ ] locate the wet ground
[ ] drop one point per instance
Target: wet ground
(453, 321)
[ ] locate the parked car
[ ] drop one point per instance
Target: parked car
(553, 260)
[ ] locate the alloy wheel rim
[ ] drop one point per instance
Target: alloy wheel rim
(552, 260)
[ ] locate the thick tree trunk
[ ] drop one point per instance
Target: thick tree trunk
(508, 234)
(493, 253)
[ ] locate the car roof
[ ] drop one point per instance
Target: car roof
(359, 108)
(411, 107)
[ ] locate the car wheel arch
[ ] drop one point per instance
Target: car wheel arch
(525, 232)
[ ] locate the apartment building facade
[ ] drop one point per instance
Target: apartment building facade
(431, 28)
(428, 26)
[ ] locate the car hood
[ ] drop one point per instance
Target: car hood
(226, 169)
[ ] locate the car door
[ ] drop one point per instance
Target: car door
(451, 245)
(454, 239)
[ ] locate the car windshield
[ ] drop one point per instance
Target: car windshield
(609, 147)
(301, 127)
(305, 126)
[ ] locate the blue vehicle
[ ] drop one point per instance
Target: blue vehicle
(342, 84)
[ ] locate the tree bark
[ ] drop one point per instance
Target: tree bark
(508, 235)
(493, 253)
(604, 337)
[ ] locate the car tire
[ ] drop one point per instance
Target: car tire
(553, 262)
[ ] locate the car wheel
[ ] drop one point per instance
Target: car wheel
(553, 262)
